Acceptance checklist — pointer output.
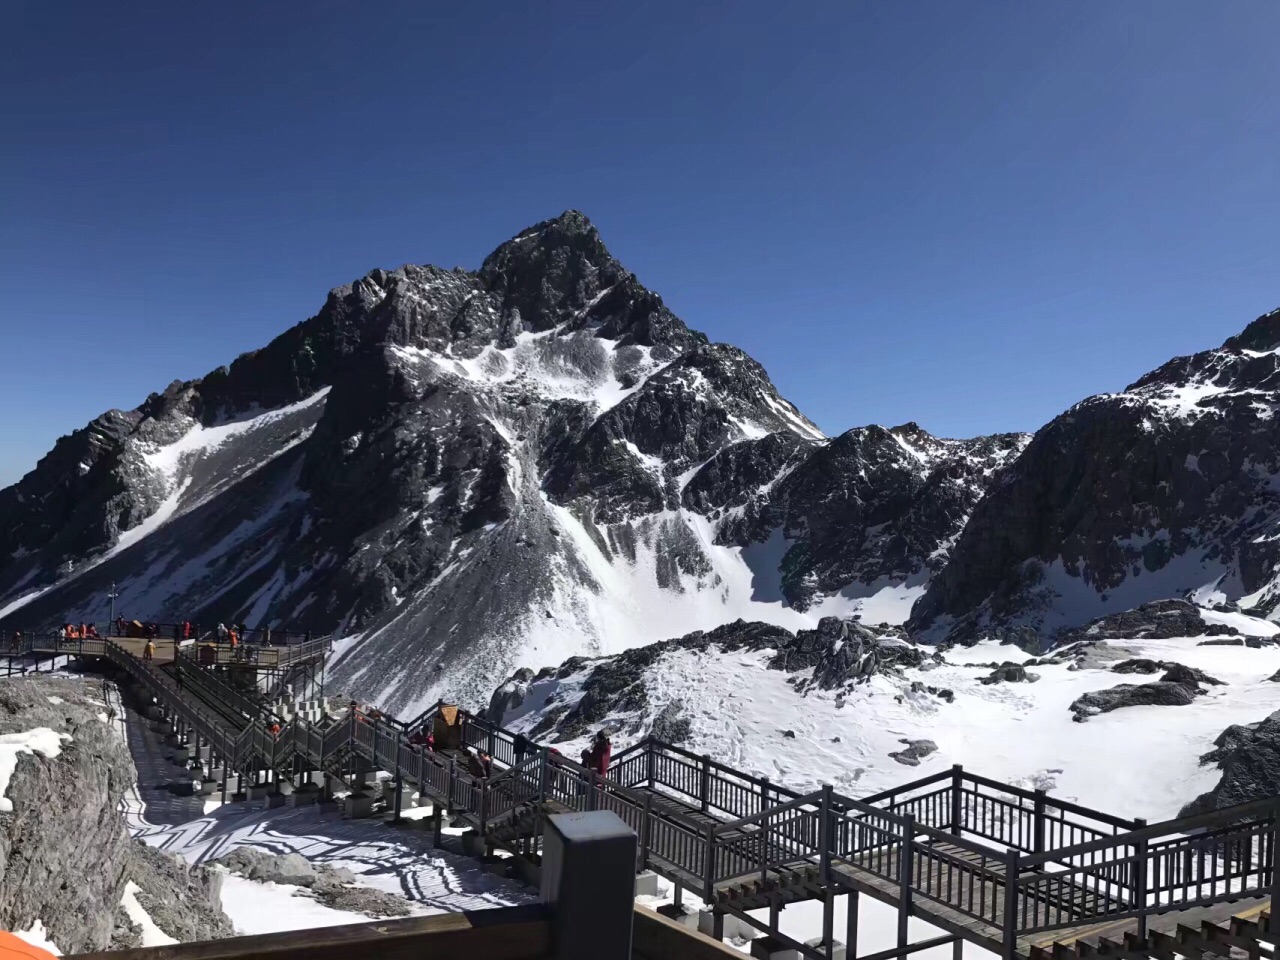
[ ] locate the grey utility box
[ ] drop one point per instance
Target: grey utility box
(588, 880)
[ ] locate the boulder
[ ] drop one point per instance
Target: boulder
(916, 751)
(1160, 693)
(1010, 673)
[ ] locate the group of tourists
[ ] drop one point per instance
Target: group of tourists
(84, 631)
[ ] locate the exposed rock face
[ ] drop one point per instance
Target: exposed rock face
(65, 854)
(842, 652)
(184, 900)
(1249, 757)
(873, 505)
(333, 886)
(670, 725)
(1128, 497)
(1178, 687)
(1157, 620)
(465, 467)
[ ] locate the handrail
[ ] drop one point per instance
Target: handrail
(771, 811)
(1178, 825)
(1065, 805)
(897, 834)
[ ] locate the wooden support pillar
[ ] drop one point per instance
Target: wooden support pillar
(851, 926)
(904, 876)
(717, 925)
(437, 821)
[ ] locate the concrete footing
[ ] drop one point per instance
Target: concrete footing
(766, 948)
(647, 884)
(259, 792)
(734, 929)
(357, 805)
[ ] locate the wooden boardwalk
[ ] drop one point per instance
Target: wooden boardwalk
(1014, 871)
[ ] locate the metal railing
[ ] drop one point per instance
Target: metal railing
(1018, 861)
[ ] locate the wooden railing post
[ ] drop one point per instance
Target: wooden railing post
(448, 785)
(957, 799)
(824, 836)
(705, 788)
(651, 762)
(904, 876)
(646, 831)
(544, 773)
(764, 793)
(1139, 880)
(1038, 842)
(1010, 920)
(709, 867)
(1274, 865)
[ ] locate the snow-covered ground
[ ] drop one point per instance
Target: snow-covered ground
(1135, 762)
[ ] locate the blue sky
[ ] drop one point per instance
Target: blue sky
(966, 214)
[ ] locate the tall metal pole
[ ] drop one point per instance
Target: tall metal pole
(113, 594)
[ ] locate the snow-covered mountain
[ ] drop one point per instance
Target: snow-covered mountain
(464, 472)
(1169, 488)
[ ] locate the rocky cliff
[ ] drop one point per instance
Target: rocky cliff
(1165, 489)
(65, 854)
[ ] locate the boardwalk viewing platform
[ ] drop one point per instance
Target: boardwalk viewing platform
(1018, 872)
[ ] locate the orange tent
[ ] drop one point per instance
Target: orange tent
(15, 948)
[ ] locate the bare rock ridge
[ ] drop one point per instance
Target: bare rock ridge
(65, 853)
(1162, 489)
(463, 472)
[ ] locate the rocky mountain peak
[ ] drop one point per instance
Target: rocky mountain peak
(1261, 335)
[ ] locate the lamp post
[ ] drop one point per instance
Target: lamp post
(113, 594)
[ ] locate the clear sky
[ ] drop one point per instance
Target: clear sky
(969, 214)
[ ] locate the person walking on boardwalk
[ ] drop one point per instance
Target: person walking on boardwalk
(597, 756)
(149, 651)
(177, 673)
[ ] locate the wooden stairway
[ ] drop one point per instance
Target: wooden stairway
(1232, 929)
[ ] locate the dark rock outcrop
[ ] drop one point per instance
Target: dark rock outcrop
(65, 853)
(1010, 673)
(1178, 687)
(335, 887)
(1249, 757)
(916, 751)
